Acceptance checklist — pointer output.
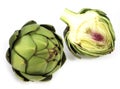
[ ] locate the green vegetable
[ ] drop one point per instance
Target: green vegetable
(35, 52)
(88, 32)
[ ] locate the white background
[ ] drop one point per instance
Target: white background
(98, 73)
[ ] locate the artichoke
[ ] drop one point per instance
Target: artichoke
(88, 32)
(35, 52)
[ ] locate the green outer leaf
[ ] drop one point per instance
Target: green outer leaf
(51, 65)
(54, 41)
(59, 39)
(40, 41)
(82, 11)
(29, 28)
(43, 53)
(54, 70)
(29, 23)
(50, 45)
(66, 31)
(37, 65)
(108, 22)
(33, 77)
(101, 13)
(25, 47)
(8, 55)
(27, 77)
(60, 63)
(13, 38)
(45, 32)
(17, 62)
(47, 78)
(74, 52)
(49, 27)
(63, 59)
(19, 75)
(58, 56)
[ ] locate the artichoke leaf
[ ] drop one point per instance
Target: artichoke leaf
(59, 39)
(36, 65)
(19, 75)
(82, 11)
(28, 28)
(40, 41)
(18, 62)
(49, 77)
(13, 38)
(33, 77)
(8, 55)
(25, 47)
(45, 32)
(48, 26)
(29, 23)
(51, 65)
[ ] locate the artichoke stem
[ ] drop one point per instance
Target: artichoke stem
(68, 16)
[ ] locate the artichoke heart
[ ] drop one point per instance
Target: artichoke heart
(88, 32)
(35, 52)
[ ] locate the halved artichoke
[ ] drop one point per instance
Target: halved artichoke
(88, 32)
(35, 52)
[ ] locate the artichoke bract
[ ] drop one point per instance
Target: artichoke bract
(88, 32)
(35, 52)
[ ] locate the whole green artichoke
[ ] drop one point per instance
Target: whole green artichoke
(35, 52)
(88, 32)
